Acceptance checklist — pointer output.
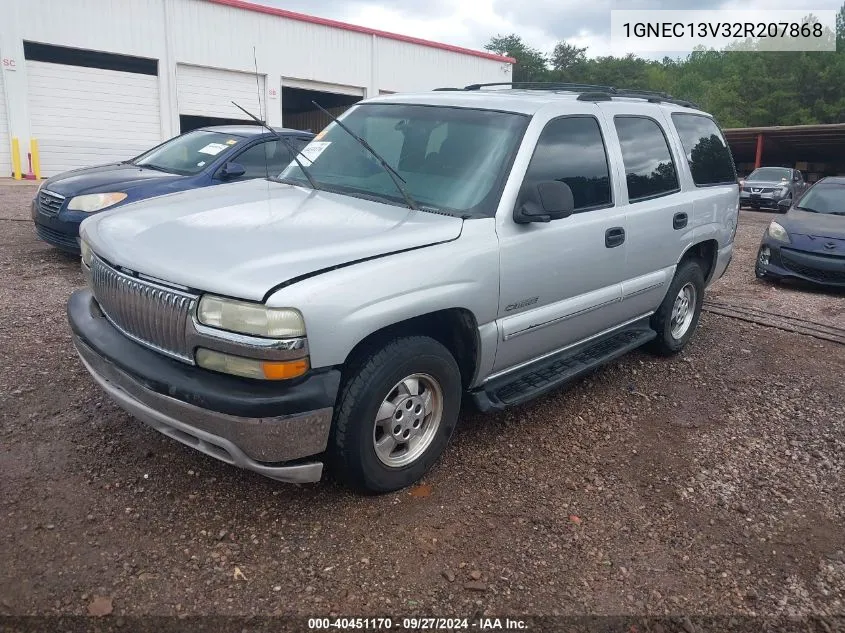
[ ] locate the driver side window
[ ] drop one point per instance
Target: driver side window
(268, 157)
(571, 150)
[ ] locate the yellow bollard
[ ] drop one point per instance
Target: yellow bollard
(36, 161)
(16, 159)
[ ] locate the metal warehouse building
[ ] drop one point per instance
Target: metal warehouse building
(94, 81)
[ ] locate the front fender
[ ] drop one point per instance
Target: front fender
(343, 306)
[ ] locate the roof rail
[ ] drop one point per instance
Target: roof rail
(540, 85)
(586, 92)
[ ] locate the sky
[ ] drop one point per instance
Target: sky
(541, 23)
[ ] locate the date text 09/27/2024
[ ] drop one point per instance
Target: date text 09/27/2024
(416, 624)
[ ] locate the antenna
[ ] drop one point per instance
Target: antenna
(263, 118)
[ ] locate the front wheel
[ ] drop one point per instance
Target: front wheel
(396, 414)
(676, 319)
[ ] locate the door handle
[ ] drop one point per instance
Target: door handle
(614, 237)
(679, 221)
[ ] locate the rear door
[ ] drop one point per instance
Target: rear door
(657, 213)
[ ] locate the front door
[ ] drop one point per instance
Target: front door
(560, 282)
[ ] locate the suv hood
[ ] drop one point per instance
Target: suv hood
(104, 178)
(243, 239)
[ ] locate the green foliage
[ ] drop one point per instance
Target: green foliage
(744, 86)
(531, 64)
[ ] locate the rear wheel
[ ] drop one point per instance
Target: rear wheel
(678, 315)
(396, 414)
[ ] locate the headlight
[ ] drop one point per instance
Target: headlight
(95, 201)
(251, 367)
(86, 252)
(777, 232)
(250, 318)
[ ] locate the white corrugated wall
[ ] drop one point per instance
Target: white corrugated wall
(5, 140)
(221, 36)
(433, 68)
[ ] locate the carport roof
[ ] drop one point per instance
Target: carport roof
(801, 141)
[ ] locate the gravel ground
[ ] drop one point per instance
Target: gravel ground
(710, 484)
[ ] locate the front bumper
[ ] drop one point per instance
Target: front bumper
(60, 230)
(274, 430)
(790, 263)
(761, 201)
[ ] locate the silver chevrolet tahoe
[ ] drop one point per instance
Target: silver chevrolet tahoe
(492, 242)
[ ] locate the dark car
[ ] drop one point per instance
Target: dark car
(808, 242)
(766, 187)
(200, 158)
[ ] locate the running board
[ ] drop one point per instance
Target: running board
(538, 378)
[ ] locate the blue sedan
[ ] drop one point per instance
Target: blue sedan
(200, 158)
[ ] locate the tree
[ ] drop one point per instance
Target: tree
(531, 64)
(742, 86)
(565, 56)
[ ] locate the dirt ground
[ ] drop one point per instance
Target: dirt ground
(711, 483)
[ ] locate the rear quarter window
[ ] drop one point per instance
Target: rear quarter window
(707, 152)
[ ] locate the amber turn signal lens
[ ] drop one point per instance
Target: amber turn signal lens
(284, 370)
(251, 367)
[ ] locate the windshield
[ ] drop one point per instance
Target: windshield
(770, 173)
(451, 159)
(824, 198)
(189, 153)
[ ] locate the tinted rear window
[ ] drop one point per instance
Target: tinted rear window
(708, 154)
(649, 170)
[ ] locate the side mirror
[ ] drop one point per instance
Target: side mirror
(544, 202)
(784, 205)
(232, 170)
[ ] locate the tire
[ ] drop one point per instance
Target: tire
(356, 427)
(671, 340)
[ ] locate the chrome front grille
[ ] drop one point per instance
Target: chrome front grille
(148, 313)
(49, 203)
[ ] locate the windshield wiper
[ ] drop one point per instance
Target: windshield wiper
(394, 175)
(806, 209)
(294, 152)
(153, 167)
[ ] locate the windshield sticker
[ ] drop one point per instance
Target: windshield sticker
(311, 151)
(201, 163)
(231, 141)
(213, 148)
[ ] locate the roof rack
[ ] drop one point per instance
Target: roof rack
(586, 92)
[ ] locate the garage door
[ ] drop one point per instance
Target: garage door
(208, 92)
(5, 141)
(85, 116)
